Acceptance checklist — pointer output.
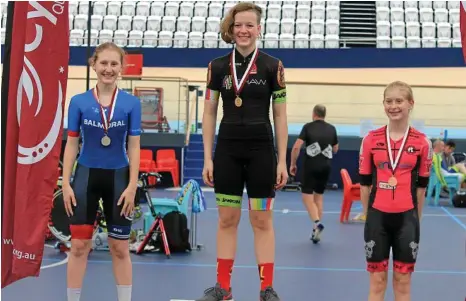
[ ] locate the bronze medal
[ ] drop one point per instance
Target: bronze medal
(392, 181)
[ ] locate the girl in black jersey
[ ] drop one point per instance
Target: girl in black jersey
(247, 79)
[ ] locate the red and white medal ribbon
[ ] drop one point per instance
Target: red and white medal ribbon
(106, 119)
(239, 85)
(394, 164)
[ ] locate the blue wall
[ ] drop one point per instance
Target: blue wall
(301, 58)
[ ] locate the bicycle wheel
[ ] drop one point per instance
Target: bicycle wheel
(59, 224)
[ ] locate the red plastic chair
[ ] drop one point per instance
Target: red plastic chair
(147, 164)
(166, 162)
(351, 193)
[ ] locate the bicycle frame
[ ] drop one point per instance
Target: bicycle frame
(157, 226)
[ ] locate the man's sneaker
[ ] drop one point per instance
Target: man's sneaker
(269, 294)
(316, 233)
(216, 293)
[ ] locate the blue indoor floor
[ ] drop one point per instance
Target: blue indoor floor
(333, 270)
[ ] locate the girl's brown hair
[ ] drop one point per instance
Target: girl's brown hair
(226, 27)
(402, 86)
(105, 46)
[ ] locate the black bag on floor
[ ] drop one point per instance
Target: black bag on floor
(176, 228)
(459, 199)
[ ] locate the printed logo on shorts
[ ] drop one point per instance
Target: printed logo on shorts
(414, 249)
(369, 247)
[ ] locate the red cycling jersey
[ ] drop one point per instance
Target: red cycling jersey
(411, 172)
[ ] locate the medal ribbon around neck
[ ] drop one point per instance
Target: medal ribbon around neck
(238, 86)
(394, 164)
(106, 119)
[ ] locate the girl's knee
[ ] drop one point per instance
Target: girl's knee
(229, 218)
(80, 248)
(261, 220)
(119, 248)
(378, 281)
(402, 282)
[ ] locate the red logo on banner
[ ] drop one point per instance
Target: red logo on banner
(37, 87)
(463, 27)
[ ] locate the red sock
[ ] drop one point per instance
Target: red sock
(224, 270)
(266, 275)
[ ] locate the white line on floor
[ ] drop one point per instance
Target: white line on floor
(55, 264)
(285, 211)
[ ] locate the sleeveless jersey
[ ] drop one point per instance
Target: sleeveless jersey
(266, 82)
(412, 171)
(84, 118)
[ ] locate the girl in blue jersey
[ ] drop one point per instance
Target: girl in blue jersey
(109, 122)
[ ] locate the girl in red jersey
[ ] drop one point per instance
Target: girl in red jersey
(394, 166)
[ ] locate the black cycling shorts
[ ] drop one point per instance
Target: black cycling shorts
(314, 181)
(399, 232)
(240, 163)
(89, 186)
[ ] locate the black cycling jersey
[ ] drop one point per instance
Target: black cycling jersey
(266, 81)
(319, 138)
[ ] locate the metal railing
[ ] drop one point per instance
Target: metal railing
(174, 92)
(349, 103)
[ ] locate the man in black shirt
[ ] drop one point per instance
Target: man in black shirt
(248, 81)
(321, 142)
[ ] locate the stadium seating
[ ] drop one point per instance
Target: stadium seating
(415, 24)
(285, 24)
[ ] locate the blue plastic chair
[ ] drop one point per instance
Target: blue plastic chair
(453, 185)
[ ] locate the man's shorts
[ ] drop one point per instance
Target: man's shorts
(397, 231)
(240, 163)
(314, 181)
(89, 186)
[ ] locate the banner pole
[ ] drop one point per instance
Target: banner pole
(88, 48)
(5, 85)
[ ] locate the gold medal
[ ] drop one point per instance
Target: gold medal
(238, 85)
(238, 101)
(105, 140)
(392, 181)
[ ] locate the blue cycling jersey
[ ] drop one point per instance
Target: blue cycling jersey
(85, 119)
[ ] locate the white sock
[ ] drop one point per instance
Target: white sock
(124, 292)
(74, 294)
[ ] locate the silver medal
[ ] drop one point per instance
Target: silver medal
(106, 141)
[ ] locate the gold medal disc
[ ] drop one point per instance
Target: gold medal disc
(238, 101)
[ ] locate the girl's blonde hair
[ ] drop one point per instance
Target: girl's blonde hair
(402, 86)
(226, 27)
(105, 46)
